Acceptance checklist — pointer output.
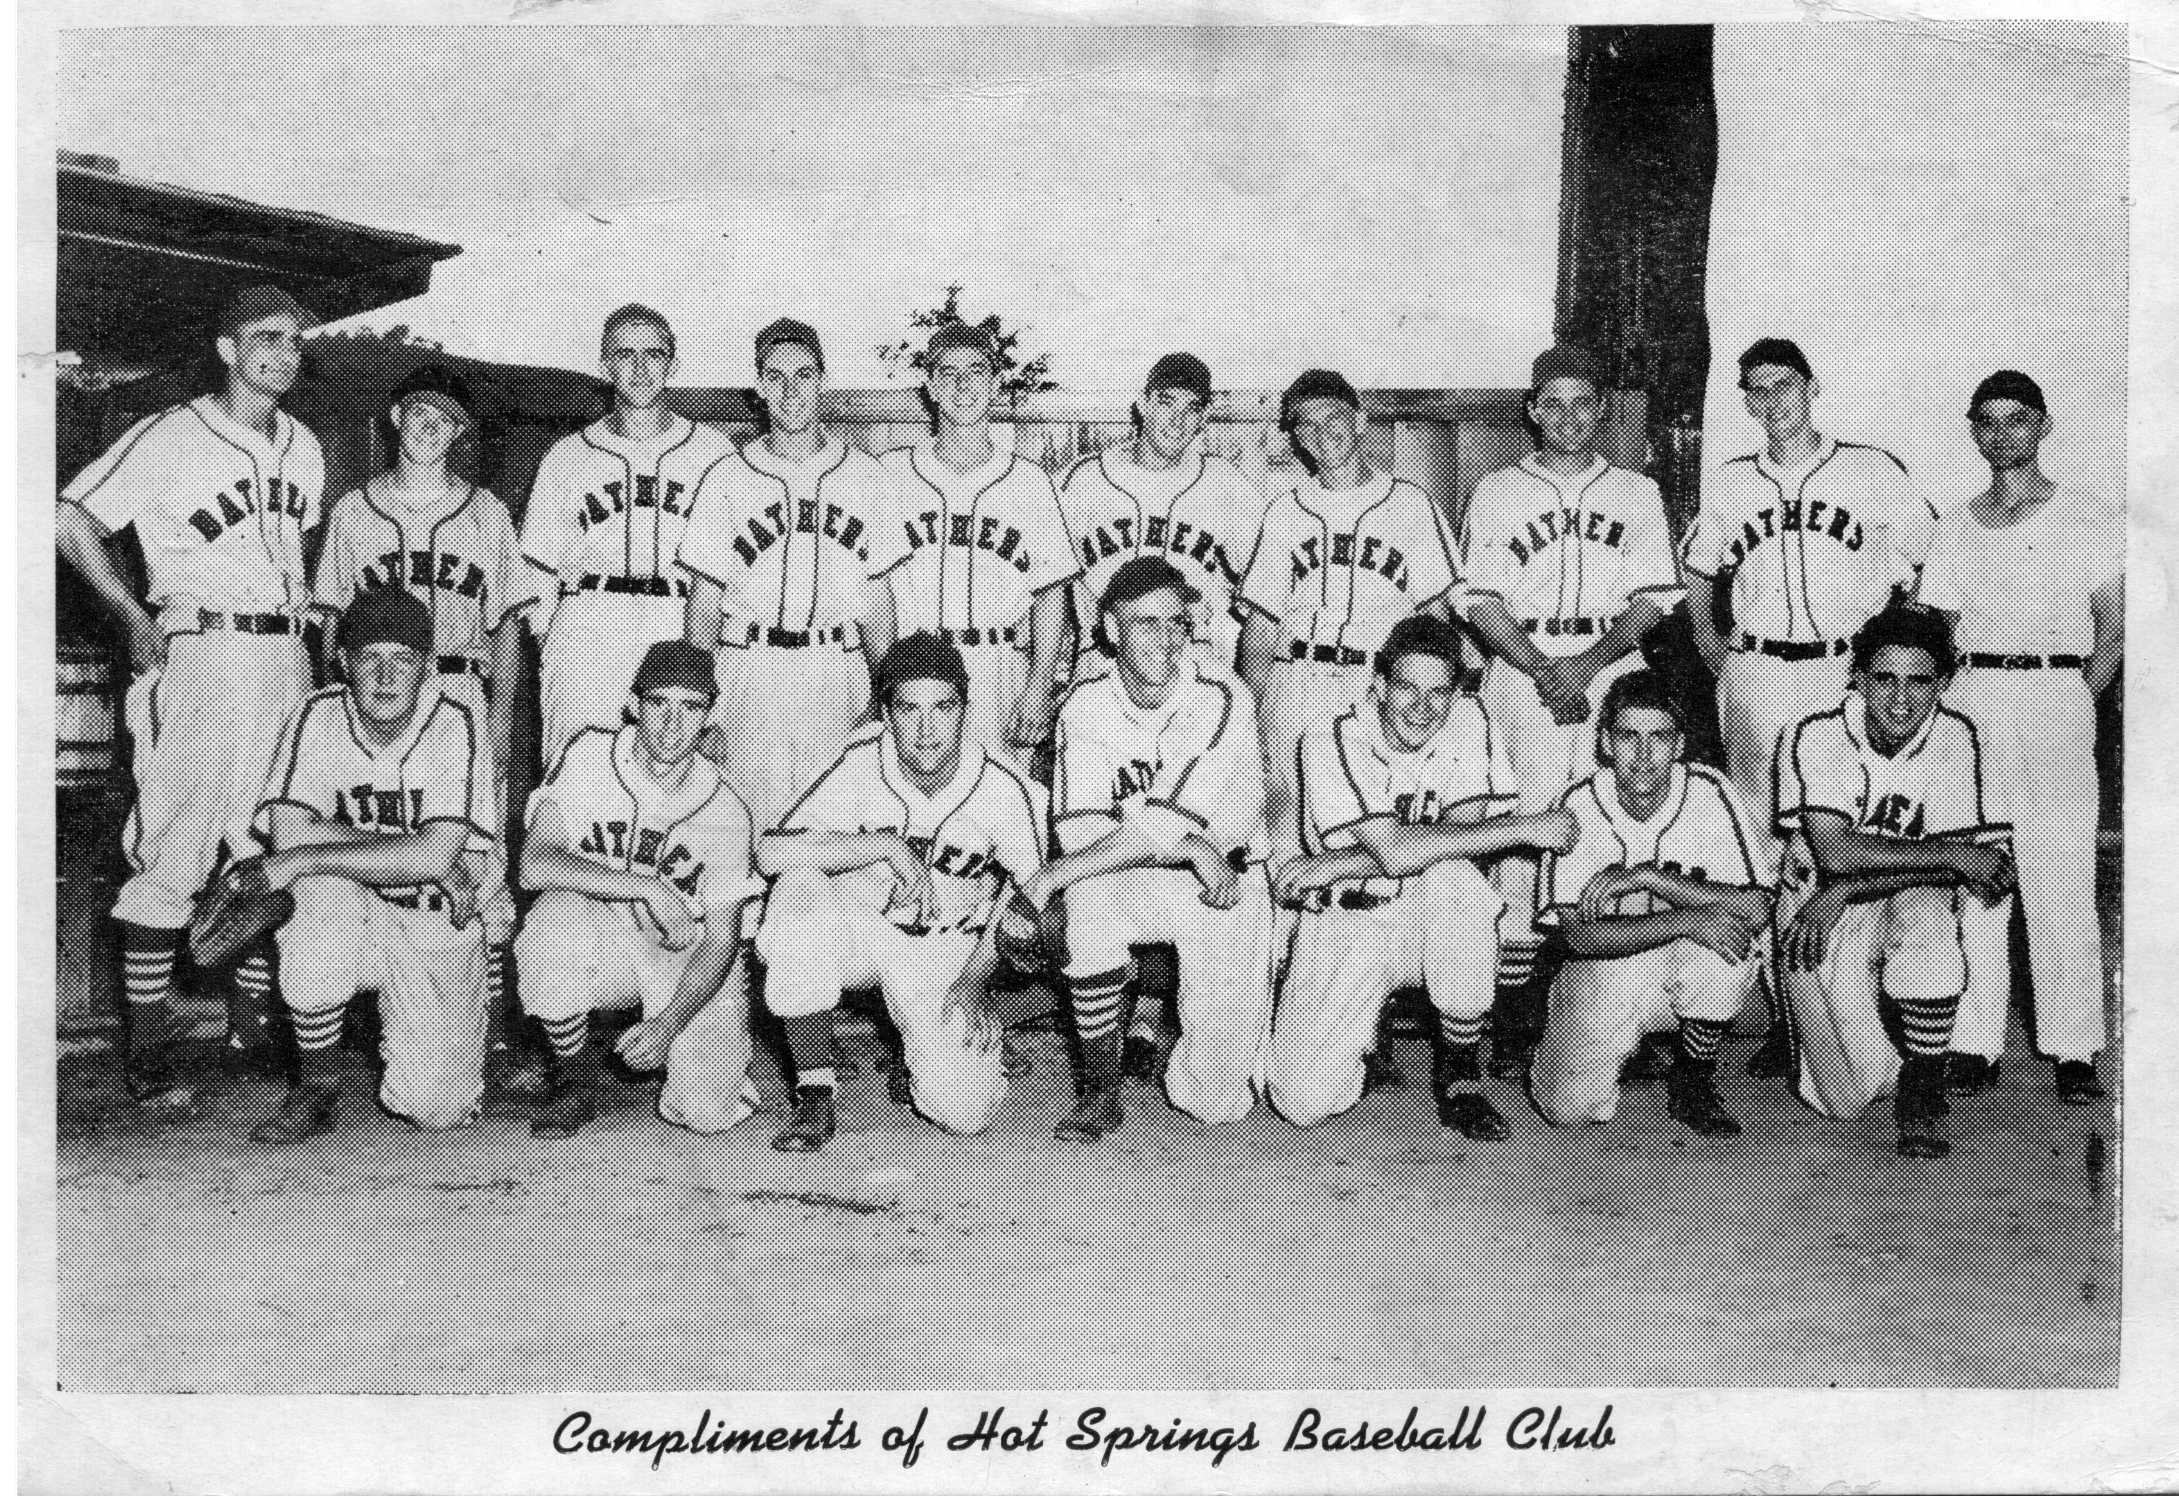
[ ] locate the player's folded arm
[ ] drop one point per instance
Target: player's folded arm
(1842, 852)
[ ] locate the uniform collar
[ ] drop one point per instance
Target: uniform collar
(600, 433)
(1368, 734)
(1532, 464)
(1347, 500)
(651, 797)
(943, 804)
(1825, 446)
(1854, 710)
(427, 704)
(1186, 677)
(1607, 795)
(830, 453)
(214, 412)
(387, 500)
(942, 475)
(1120, 456)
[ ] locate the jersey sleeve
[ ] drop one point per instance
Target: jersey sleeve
(1500, 791)
(302, 774)
(1816, 772)
(706, 549)
(129, 477)
(1706, 550)
(1016, 829)
(1265, 584)
(1563, 875)
(1216, 791)
(1082, 778)
(1051, 550)
(1487, 565)
(1651, 570)
(1434, 569)
(1733, 827)
(1332, 804)
(505, 577)
(1953, 804)
(306, 470)
(1942, 584)
(1912, 522)
(340, 560)
(550, 530)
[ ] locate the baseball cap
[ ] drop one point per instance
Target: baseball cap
(921, 656)
(1424, 633)
(387, 615)
(1317, 384)
(1783, 352)
(1565, 361)
(787, 330)
(440, 387)
(676, 662)
(2009, 384)
(256, 303)
(967, 335)
(1143, 576)
(1180, 371)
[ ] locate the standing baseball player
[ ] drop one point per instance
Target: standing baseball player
(604, 524)
(1885, 793)
(419, 528)
(1663, 911)
(219, 491)
(639, 853)
(789, 552)
(1566, 563)
(988, 556)
(1399, 796)
(2034, 574)
(1157, 803)
(383, 786)
(887, 874)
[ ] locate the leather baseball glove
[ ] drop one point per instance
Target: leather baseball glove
(237, 909)
(1034, 943)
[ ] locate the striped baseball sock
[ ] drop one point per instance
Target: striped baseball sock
(1463, 1037)
(1516, 969)
(249, 1005)
(495, 995)
(809, 1046)
(1926, 1023)
(1096, 1001)
(317, 1046)
(1699, 1039)
(147, 976)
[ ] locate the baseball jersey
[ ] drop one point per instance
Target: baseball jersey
(219, 508)
(1337, 569)
(1191, 765)
(695, 837)
(1350, 773)
(976, 835)
(981, 544)
(1560, 550)
(1697, 831)
(1932, 786)
(1814, 551)
(2025, 589)
(439, 769)
(795, 545)
(459, 555)
(605, 506)
(1200, 514)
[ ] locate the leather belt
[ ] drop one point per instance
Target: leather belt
(1557, 626)
(246, 623)
(1785, 649)
(1327, 654)
(977, 636)
(2025, 662)
(463, 665)
(1355, 898)
(632, 586)
(756, 633)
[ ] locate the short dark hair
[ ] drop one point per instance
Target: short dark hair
(1639, 688)
(921, 656)
(635, 311)
(1783, 352)
(1421, 633)
(1907, 626)
(1316, 384)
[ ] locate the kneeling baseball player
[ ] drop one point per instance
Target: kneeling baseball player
(382, 792)
(1399, 796)
(1158, 804)
(638, 851)
(887, 874)
(1885, 793)
(1662, 913)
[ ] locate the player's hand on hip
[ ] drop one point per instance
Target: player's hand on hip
(677, 928)
(644, 1045)
(147, 646)
(1554, 830)
(1721, 931)
(1800, 947)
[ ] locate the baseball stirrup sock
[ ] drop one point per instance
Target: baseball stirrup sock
(495, 994)
(809, 1045)
(569, 1036)
(1927, 1023)
(249, 1015)
(1096, 1001)
(1464, 1031)
(147, 963)
(1699, 1039)
(317, 1046)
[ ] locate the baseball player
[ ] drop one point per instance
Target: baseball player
(381, 788)
(219, 491)
(1566, 563)
(418, 527)
(2034, 575)
(789, 552)
(604, 523)
(639, 853)
(1398, 797)
(887, 875)
(1885, 793)
(988, 556)
(1662, 909)
(1157, 806)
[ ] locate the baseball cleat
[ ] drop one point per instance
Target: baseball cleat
(1142, 1058)
(1509, 1058)
(814, 1119)
(1651, 1061)
(1015, 1058)
(899, 1084)
(1773, 1058)
(1695, 1102)
(305, 1112)
(1097, 1113)
(2077, 1083)
(1919, 1106)
(521, 1075)
(149, 1080)
(1381, 1072)
(1471, 1114)
(1969, 1074)
(563, 1116)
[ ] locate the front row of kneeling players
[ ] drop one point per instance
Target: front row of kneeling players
(889, 873)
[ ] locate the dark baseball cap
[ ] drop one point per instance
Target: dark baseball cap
(967, 335)
(1143, 576)
(387, 615)
(256, 303)
(438, 386)
(921, 656)
(1783, 352)
(1180, 371)
(1317, 384)
(676, 662)
(2009, 384)
(787, 330)
(1565, 361)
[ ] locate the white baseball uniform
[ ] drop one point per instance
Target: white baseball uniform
(796, 548)
(2022, 596)
(605, 521)
(981, 545)
(1601, 1008)
(578, 954)
(1202, 514)
(1335, 570)
(1191, 766)
(346, 938)
(1373, 936)
(1814, 553)
(823, 934)
(1908, 943)
(220, 510)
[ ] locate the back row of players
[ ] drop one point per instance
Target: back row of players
(750, 599)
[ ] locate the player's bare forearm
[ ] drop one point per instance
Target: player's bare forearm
(1402, 851)
(1625, 635)
(1494, 622)
(1702, 620)
(403, 861)
(553, 869)
(1259, 645)
(2108, 608)
(508, 657)
(1127, 847)
(1841, 851)
(710, 966)
(1683, 892)
(81, 541)
(1047, 641)
(826, 852)
(1863, 888)
(1614, 936)
(705, 612)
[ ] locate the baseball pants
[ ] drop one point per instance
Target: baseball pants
(816, 947)
(207, 727)
(343, 940)
(1441, 931)
(592, 649)
(578, 954)
(1907, 946)
(785, 714)
(1225, 974)
(1601, 1009)
(1760, 697)
(1299, 694)
(2038, 735)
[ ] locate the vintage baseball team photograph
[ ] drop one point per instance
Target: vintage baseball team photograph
(1206, 708)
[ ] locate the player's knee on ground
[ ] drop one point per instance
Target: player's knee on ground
(553, 953)
(799, 943)
(1308, 1089)
(1923, 959)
